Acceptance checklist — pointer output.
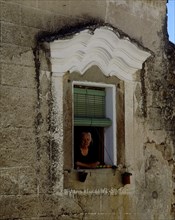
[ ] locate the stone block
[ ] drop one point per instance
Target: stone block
(27, 56)
(66, 206)
(111, 204)
(20, 117)
(18, 157)
(155, 118)
(11, 33)
(19, 207)
(58, 22)
(94, 8)
(16, 181)
(0, 29)
(70, 217)
(14, 54)
(170, 124)
(61, 7)
(44, 166)
(45, 176)
(166, 150)
(51, 23)
(28, 36)
(10, 53)
(46, 205)
(120, 206)
(17, 137)
(9, 182)
(8, 207)
(17, 75)
(32, 17)
(29, 3)
(45, 218)
(10, 12)
(94, 200)
(17, 105)
(27, 180)
(124, 16)
(101, 216)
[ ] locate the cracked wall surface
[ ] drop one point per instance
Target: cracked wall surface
(31, 158)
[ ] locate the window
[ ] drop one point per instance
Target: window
(95, 112)
(113, 63)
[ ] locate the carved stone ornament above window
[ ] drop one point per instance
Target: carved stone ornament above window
(103, 48)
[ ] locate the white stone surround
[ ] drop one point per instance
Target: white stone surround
(114, 56)
(103, 48)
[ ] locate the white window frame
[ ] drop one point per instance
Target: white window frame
(110, 140)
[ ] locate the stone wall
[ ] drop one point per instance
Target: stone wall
(27, 151)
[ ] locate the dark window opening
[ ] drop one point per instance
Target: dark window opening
(97, 145)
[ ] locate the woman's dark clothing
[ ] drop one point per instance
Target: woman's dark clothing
(89, 158)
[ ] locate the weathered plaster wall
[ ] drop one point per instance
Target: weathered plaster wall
(141, 20)
(28, 154)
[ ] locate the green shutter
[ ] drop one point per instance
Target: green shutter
(96, 122)
(89, 108)
(89, 103)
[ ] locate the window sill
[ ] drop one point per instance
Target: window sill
(96, 179)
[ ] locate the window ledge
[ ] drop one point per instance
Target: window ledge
(95, 179)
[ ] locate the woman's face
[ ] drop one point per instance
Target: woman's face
(86, 140)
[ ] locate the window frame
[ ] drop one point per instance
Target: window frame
(110, 133)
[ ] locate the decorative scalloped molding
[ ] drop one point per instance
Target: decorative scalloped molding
(103, 48)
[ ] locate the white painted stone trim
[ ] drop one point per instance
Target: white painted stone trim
(129, 123)
(57, 94)
(115, 57)
(103, 48)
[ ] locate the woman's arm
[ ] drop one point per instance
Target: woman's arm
(87, 165)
